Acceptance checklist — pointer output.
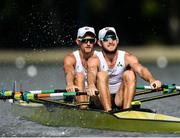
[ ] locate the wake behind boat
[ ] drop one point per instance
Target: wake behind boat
(39, 106)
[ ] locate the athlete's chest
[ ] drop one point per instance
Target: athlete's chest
(111, 63)
(84, 63)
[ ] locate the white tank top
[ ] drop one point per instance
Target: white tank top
(115, 74)
(79, 66)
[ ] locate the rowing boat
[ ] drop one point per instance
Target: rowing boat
(60, 113)
(140, 120)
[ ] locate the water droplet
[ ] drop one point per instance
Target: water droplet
(32, 71)
(20, 62)
(162, 62)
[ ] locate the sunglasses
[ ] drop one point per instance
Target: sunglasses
(86, 40)
(109, 37)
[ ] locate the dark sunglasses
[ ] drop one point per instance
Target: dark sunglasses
(85, 40)
(109, 37)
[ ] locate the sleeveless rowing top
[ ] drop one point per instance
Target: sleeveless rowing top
(115, 74)
(79, 66)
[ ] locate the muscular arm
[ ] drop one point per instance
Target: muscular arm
(69, 62)
(93, 64)
(144, 73)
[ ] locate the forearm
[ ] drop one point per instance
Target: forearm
(70, 78)
(146, 75)
(91, 79)
(143, 72)
(93, 64)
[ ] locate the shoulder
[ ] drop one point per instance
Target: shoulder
(96, 52)
(130, 58)
(128, 55)
(121, 51)
(93, 60)
(69, 58)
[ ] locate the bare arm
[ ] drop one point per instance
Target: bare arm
(93, 64)
(143, 72)
(69, 62)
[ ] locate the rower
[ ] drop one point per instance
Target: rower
(115, 71)
(75, 63)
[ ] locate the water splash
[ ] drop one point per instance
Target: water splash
(47, 29)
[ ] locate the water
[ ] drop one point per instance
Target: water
(43, 76)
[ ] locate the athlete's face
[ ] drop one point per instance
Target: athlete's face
(109, 44)
(86, 43)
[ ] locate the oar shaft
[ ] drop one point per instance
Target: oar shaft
(31, 96)
(178, 87)
(47, 91)
(9, 93)
(141, 87)
(157, 97)
(147, 92)
(58, 94)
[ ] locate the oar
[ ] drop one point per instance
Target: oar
(9, 93)
(47, 91)
(142, 87)
(31, 96)
(167, 86)
(137, 102)
(147, 92)
(167, 91)
(157, 97)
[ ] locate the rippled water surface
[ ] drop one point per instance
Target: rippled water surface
(51, 77)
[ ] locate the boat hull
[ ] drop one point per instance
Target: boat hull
(53, 115)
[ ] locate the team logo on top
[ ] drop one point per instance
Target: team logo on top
(103, 67)
(86, 28)
(119, 64)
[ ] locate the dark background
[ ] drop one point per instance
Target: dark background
(31, 24)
